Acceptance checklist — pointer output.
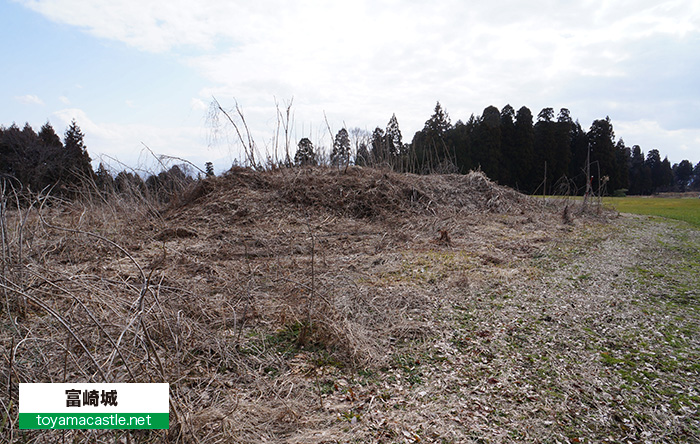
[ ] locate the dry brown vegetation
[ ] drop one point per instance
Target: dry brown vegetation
(322, 306)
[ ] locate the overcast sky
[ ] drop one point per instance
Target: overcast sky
(144, 72)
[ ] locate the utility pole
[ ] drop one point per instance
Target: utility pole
(588, 177)
(544, 187)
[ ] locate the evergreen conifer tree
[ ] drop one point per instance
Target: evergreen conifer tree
(508, 150)
(601, 138)
(621, 178)
(666, 175)
(636, 163)
(48, 137)
(305, 155)
(341, 148)
(695, 180)
(362, 156)
(209, 169)
(429, 145)
(683, 172)
(393, 137)
(103, 179)
(579, 156)
(438, 123)
(545, 150)
(653, 162)
(380, 150)
(562, 142)
(77, 160)
(525, 147)
(486, 145)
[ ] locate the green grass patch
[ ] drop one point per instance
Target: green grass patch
(685, 209)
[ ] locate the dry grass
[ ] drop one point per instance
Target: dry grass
(309, 305)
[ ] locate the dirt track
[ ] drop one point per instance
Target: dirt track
(596, 340)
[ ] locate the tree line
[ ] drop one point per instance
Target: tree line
(31, 161)
(552, 154)
(38, 160)
(547, 155)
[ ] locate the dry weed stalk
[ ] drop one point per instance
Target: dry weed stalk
(247, 143)
(49, 287)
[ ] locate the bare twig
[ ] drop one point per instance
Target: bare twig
(248, 147)
(63, 322)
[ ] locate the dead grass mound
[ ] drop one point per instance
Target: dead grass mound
(359, 193)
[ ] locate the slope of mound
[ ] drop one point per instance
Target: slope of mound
(360, 193)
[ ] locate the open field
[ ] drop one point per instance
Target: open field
(685, 209)
(313, 306)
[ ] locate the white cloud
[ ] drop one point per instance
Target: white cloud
(361, 61)
(65, 100)
(313, 34)
(198, 105)
(29, 99)
(649, 134)
(67, 115)
(403, 60)
(119, 143)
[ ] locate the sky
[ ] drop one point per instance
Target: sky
(137, 74)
